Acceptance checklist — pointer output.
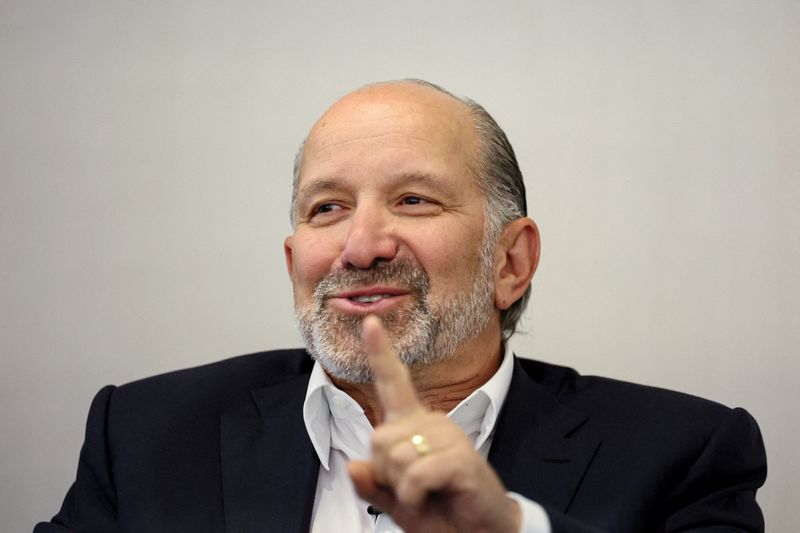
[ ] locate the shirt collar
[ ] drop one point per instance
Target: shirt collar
(317, 413)
(476, 414)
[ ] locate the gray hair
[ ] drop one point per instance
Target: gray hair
(497, 173)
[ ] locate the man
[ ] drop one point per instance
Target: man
(411, 262)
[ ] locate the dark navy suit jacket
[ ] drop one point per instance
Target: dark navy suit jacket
(223, 448)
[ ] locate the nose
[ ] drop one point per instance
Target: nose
(370, 238)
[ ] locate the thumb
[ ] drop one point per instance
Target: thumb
(362, 475)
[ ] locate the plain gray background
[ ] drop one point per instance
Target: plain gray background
(146, 150)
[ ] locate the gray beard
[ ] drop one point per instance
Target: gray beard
(424, 333)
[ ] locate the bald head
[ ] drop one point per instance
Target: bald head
(399, 100)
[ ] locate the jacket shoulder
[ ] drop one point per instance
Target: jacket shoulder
(208, 389)
(252, 370)
(621, 401)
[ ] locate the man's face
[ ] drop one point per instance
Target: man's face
(390, 222)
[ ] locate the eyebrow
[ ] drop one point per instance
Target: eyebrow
(332, 184)
(318, 186)
(423, 179)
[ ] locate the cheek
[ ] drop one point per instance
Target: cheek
(310, 261)
(450, 263)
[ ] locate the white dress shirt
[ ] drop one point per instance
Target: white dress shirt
(340, 432)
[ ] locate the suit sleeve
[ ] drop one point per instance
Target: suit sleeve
(718, 491)
(90, 504)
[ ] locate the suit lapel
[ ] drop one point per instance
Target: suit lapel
(269, 467)
(541, 448)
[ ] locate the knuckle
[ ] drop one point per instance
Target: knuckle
(416, 477)
(396, 456)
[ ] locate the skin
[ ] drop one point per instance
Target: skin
(386, 175)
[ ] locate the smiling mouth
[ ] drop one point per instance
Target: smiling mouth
(371, 298)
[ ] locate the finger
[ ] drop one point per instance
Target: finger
(390, 463)
(426, 476)
(392, 380)
(460, 474)
(393, 449)
(367, 488)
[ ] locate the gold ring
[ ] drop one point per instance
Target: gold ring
(421, 445)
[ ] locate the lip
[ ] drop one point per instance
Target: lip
(370, 291)
(342, 302)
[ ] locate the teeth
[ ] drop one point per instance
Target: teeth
(370, 299)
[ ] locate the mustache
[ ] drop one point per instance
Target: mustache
(403, 273)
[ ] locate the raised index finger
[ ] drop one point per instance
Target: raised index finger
(392, 379)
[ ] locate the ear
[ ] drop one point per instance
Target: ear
(287, 252)
(516, 259)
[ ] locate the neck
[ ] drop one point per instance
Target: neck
(441, 386)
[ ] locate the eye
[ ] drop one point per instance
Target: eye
(325, 208)
(415, 205)
(324, 212)
(413, 200)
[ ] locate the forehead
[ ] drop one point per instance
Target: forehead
(400, 128)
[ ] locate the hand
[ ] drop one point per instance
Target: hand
(448, 487)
